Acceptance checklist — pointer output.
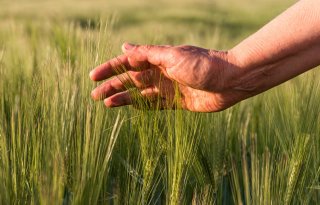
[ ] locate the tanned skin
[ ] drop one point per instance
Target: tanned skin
(209, 80)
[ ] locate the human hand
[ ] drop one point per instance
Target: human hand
(208, 80)
(199, 75)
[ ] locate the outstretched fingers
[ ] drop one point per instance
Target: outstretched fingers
(151, 61)
(134, 57)
(123, 82)
(110, 68)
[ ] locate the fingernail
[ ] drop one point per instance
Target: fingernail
(128, 46)
(93, 94)
(108, 103)
(91, 75)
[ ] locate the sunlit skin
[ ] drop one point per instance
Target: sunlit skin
(209, 80)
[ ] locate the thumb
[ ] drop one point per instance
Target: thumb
(152, 54)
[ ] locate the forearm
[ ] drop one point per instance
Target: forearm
(286, 47)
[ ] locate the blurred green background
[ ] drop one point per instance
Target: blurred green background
(216, 23)
(57, 146)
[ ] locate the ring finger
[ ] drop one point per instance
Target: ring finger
(123, 82)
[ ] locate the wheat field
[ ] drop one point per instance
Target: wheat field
(58, 146)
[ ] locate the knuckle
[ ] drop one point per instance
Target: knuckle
(146, 47)
(143, 78)
(135, 77)
(176, 52)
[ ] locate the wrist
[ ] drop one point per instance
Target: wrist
(226, 70)
(242, 77)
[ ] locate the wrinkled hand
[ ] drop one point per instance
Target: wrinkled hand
(200, 76)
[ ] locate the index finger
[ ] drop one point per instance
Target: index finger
(110, 68)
